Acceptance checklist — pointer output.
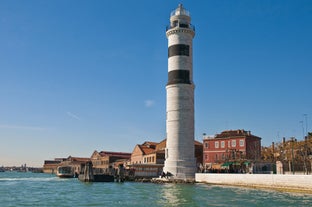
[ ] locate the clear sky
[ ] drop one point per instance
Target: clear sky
(78, 76)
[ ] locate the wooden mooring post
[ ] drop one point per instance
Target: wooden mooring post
(87, 175)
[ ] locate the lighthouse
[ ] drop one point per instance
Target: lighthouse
(179, 152)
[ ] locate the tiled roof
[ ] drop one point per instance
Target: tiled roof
(115, 154)
(146, 150)
(197, 143)
(235, 133)
(46, 162)
(161, 145)
(79, 159)
(150, 144)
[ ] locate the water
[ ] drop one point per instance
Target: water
(32, 189)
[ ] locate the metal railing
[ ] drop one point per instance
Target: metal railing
(188, 26)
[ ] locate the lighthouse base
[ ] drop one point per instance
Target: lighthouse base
(170, 180)
(180, 170)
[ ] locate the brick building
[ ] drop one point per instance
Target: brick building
(143, 153)
(148, 159)
(50, 166)
(104, 161)
(231, 146)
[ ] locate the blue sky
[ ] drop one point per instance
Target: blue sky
(78, 76)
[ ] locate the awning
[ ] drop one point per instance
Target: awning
(216, 166)
(247, 163)
(237, 163)
(226, 164)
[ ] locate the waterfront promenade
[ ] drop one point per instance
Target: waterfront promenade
(289, 183)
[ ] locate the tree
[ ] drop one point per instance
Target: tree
(298, 154)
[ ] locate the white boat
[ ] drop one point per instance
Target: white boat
(65, 172)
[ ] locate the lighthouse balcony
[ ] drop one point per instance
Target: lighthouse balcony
(180, 25)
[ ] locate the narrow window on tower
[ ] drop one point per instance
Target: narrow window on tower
(174, 24)
(184, 25)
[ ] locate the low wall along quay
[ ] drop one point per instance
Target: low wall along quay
(291, 183)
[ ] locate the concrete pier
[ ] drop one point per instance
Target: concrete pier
(289, 183)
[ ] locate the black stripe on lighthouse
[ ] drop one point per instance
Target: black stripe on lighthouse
(179, 49)
(179, 76)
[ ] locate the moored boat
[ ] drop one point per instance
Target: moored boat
(65, 172)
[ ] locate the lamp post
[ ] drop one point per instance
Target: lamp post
(306, 121)
(310, 158)
(303, 133)
(292, 155)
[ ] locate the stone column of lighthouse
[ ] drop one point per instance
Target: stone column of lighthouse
(180, 156)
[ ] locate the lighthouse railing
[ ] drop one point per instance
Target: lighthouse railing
(189, 26)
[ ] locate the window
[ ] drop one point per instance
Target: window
(233, 143)
(222, 144)
(241, 143)
(206, 145)
(216, 144)
(184, 25)
(175, 23)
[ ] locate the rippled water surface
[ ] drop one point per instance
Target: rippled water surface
(31, 189)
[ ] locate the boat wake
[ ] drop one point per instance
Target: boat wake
(31, 179)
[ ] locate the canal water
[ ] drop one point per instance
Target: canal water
(36, 189)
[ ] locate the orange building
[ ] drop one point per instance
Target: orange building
(148, 159)
(50, 166)
(142, 153)
(104, 161)
(145, 160)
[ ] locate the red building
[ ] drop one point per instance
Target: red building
(231, 146)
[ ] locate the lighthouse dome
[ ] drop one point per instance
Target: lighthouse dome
(180, 11)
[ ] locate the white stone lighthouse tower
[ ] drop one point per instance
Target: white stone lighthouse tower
(180, 155)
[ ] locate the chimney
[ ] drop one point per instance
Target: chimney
(284, 140)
